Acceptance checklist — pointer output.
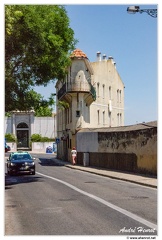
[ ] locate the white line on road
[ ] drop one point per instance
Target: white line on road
(108, 204)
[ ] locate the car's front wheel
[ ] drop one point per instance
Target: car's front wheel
(9, 172)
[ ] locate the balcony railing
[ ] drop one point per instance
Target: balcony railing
(93, 91)
(77, 87)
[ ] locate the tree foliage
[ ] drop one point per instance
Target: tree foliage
(44, 112)
(34, 101)
(38, 41)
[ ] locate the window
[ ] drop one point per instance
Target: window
(98, 116)
(103, 117)
(70, 112)
(109, 119)
(22, 125)
(110, 93)
(103, 94)
(120, 119)
(117, 95)
(21, 156)
(120, 96)
(98, 89)
(77, 113)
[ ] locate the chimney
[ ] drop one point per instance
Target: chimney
(110, 57)
(98, 56)
(112, 60)
(104, 57)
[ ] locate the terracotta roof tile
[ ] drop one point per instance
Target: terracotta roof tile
(77, 53)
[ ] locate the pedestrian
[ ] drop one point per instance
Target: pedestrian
(74, 154)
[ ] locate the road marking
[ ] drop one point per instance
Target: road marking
(108, 204)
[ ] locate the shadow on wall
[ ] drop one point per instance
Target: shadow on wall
(118, 161)
(127, 162)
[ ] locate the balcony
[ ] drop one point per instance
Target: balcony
(77, 87)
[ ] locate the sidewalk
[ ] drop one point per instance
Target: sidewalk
(134, 178)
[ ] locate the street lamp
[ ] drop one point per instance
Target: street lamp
(135, 9)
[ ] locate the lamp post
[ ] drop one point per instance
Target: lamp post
(135, 9)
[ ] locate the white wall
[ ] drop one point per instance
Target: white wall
(46, 126)
(87, 141)
(41, 146)
(7, 125)
(105, 74)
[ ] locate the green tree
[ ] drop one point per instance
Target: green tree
(39, 105)
(44, 112)
(38, 41)
(34, 101)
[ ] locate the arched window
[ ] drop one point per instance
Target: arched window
(110, 93)
(120, 95)
(103, 90)
(98, 89)
(22, 125)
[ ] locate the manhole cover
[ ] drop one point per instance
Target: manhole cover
(68, 199)
(89, 182)
(138, 197)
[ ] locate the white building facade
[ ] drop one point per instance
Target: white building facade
(94, 94)
(24, 124)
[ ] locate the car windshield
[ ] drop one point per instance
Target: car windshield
(21, 156)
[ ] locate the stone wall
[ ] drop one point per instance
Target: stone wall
(132, 149)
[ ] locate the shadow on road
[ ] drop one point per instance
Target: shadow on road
(50, 162)
(18, 179)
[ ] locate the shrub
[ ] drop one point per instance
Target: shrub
(38, 138)
(44, 139)
(10, 137)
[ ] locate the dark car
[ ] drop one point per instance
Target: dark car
(20, 162)
(7, 148)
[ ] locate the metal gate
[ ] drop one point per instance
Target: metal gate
(22, 135)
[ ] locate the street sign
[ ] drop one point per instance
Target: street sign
(57, 140)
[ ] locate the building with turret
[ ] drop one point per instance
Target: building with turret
(91, 96)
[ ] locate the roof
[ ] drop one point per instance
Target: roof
(77, 53)
(136, 127)
(19, 152)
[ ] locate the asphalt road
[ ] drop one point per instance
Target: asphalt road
(63, 201)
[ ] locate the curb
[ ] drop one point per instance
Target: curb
(113, 177)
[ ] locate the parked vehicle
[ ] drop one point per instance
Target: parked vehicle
(20, 162)
(49, 149)
(7, 148)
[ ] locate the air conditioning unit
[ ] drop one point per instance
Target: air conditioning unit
(110, 106)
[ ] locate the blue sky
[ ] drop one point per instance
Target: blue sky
(132, 40)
